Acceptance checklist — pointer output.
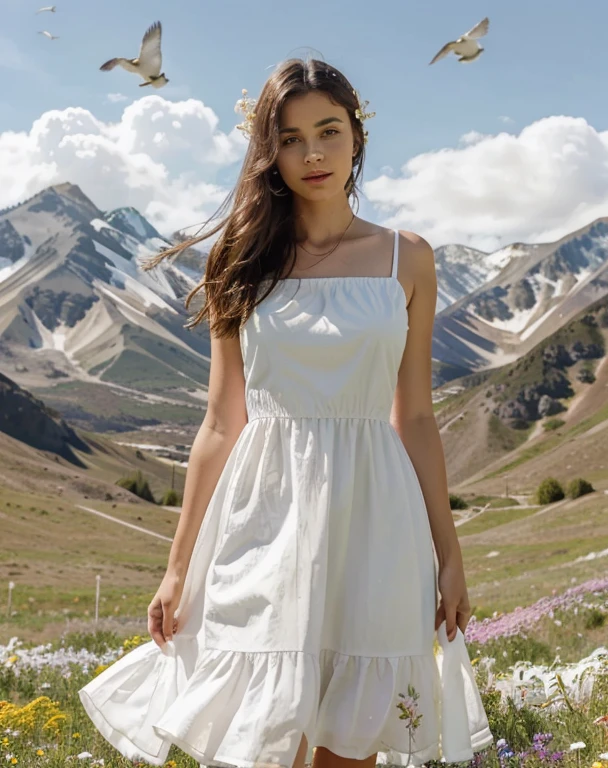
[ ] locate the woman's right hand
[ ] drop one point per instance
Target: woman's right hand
(162, 623)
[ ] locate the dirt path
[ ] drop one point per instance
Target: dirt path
(123, 522)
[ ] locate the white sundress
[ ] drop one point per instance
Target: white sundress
(310, 598)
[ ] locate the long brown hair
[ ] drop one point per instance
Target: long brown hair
(258, 232)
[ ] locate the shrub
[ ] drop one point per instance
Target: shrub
(579, 487)
(138, 485)
(171, 498)
(595, 618)
(549, 490)
(457, 502)
(553, 424)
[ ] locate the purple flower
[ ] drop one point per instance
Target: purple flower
(522, 619)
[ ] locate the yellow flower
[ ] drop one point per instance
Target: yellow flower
(171, 764)
(76, 735)
(100, 668)
(14, 761)
(40, 752)
(597, 764)
(30, 717)
(12, 659)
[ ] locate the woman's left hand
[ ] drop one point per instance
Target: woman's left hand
(454, 605)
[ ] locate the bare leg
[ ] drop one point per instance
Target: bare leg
(324, 758)
(301, 755)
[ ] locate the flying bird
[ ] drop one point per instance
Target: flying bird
(51, 8)
(149, 61)
(466, 46)
(49, 35)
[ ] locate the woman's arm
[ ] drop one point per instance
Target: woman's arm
(224, 421)
(413, 419)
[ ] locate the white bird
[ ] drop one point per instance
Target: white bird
(149, 61)
(49, 35)
(466, 46)
(51, 8)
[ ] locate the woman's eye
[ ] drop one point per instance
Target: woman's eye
(331, 131)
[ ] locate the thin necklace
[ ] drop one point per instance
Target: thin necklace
(332, 249)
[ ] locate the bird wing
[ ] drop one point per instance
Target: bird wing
(443, 52)
(119, 62)
(480, 29)
(150, 57)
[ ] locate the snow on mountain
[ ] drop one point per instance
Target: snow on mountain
(127, 276)
(530, 291)
(76, 304)
(130, 221)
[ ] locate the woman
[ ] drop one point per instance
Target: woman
(300, 596)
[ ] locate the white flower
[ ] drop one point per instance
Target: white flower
(603, 756)
(84, 755)
(557, 623)
(578, 745)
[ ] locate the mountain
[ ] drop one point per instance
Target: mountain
(535, 290)
(78, 315)
(30, 421)
(75, 305)
(511, 414)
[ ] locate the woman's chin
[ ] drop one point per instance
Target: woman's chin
(318, 192)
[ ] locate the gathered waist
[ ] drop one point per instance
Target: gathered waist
(292, 404)
(314, 417)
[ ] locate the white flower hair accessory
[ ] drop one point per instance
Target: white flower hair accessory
(246, 105)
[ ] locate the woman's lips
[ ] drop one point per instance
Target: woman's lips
(317, 179)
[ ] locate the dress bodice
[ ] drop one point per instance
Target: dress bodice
(325, 347)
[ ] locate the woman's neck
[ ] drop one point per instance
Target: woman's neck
(320, 224)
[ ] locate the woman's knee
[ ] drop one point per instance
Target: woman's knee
(325, 758)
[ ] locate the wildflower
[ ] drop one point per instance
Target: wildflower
(409, 711)
(578, 745)
(40, 752)
(596, 764)
(76, 735)
(84, 755)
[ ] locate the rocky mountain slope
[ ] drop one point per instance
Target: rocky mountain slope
(535, 291)
(75, 305)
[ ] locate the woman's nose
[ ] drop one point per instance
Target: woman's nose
(313, 154)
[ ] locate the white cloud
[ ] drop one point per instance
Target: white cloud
(506, 119)
(537, 186)
(161, 157)
(116, 98)
(472, 137)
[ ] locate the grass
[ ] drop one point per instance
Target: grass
(43, 722)
(493, 518)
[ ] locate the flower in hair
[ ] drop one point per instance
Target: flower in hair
(246, 105)
(361, 114)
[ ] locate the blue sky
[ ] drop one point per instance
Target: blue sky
(540, 60)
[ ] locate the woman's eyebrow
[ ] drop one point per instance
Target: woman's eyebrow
(325, 121)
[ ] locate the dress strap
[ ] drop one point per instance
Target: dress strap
(395, 254)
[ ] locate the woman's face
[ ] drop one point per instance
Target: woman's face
(314, 135)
